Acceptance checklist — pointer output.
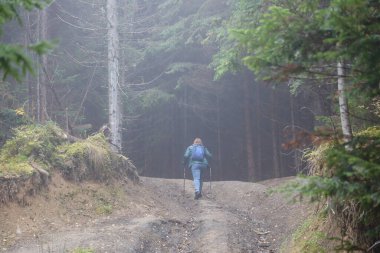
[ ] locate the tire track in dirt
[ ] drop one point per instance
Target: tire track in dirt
(140, 235)
(220, 226)
(233, 218)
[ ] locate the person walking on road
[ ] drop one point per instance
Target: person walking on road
(195, 157)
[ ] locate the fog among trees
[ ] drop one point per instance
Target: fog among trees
(273, 88)
(160, 73)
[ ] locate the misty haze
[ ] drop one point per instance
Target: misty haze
(189, 126)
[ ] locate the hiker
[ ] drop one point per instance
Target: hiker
(196, 158)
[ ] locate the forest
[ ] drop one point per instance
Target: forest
(274, 89)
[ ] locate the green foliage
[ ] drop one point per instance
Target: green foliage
(82, 250)
(180, 67)
(291, 39)
(15, 166)
(13, 61)
(226, 61)
(363, 109)
(48, 147)
(92, 158)
(229, 57)
(43, 47)
(151, 98)
(84, 158)
(309, 236)
(30, 143)
(284, 41)
(10, 119)
(356, 28)
(8, 9)
(375, 106)
(350, 180)
(316, 159)
(103, 209)
(38, 141)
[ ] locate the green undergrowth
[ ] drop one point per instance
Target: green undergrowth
(89, 156)
(82, 250)
(17, 166)
(47, 147)
(10, 119)
(309, 237)
(104, 208)
(347, 178)
(31, 144)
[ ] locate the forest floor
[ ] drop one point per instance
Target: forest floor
(152, 216)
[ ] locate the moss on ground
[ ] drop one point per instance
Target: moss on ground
(310, 237)
(47, 146)
(82, 250)
(104, 209)
(16, 166)
(103, 163)
(30, 144)
(91, 157)
(36, 151)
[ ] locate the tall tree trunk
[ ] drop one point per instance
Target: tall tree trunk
(173, 152)
(185, 117)
(297, 154)
(114, 108)
(248, 130)
(44, 62)
(219, 141)
(41, 90)
(258, 145)
(276, 160)
(28, 78)
(343, 104)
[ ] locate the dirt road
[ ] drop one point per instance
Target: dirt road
(233, 217)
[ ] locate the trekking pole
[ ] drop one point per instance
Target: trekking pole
(210, 180)
(184, 179)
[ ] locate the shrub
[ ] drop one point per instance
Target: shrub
(47, 146)
(30, 142)
(10, 119)
(349, 180)
(91, 156)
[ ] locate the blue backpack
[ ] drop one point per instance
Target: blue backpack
(198, 153)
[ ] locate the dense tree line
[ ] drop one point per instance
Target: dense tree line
(167, 53)
(328, 43)
(259, 81)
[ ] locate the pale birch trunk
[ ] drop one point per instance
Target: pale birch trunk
(343, 104)
(114, 109)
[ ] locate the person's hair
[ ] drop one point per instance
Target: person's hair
(198, 141)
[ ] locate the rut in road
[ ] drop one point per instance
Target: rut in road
(234, 217)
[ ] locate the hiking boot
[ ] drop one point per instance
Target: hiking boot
(197, 195)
